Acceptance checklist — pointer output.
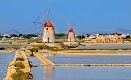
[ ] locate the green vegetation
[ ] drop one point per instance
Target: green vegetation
(28, 36)
(20, 75)
(2, 48)
(34, 49)
(80, 37)
(43, 46)
(20, 59)
(20, 65)
(0, 37)
(128, 37)
(60, 34)
(13, 35)
(88, 35)
(38, 40)
(15, 47)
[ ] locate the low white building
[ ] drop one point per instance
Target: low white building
(6, 35)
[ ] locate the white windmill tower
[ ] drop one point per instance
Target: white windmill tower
(71, 37)
(71, 33)
(48, 29)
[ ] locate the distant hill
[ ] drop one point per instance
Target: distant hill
(13, 31)
(120, 30)
(101, 32)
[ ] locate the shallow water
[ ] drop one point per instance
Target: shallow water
(105, 47)
(86, 59)
(74, 73)
(12, 46)
(79, 73)
(4, 59)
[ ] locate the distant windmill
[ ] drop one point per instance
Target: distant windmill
(71, 32)
(71, 37)
(46, 28)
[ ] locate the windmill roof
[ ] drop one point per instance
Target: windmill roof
(71, 30)
(48, 24)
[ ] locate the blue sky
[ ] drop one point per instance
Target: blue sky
(89, 15)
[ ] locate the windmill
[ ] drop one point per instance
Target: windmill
(71, 37)
(39, 24)
(71, 32)
(46, 28)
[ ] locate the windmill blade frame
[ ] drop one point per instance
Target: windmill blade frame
(39, 26)
(47, 14)
(68, 25)
(42, 17)
(73, 25)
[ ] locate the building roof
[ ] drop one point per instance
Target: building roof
(71, 30)
(48, 24)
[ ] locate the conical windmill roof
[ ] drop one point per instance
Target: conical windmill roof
(71, 30)
(48, 24)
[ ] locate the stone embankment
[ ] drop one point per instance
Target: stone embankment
(43, 60)
(19, 68)
(99, 44)
(111, 65)
(93, 52)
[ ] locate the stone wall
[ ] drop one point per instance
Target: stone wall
(12, 66)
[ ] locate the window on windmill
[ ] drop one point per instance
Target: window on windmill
(46, 28)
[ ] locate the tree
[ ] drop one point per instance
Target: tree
(60, 34)
(88, 35)
(80, 36)
(13, 35)
(0, 37)
(28, 36)
(128, 37)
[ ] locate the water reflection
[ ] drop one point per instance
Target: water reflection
(49, 72)
(42, 72)
(71, 73)
(79, 73)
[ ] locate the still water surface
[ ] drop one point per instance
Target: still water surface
(73, 73)
(86, 59)
(105, 47)
(4, 59)
(12, 46)
(79, 73)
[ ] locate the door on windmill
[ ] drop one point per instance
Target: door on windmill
(48, 40)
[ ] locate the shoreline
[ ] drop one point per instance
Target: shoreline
(93, 52)
(82, 43)
(102, 44)
(79, 52)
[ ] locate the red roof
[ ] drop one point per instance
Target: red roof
(71, 30)
(48, 24)
(116, 32)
